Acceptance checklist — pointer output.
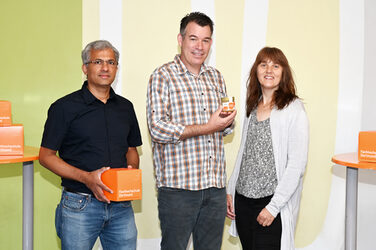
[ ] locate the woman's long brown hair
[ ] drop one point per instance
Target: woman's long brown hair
(285, 93)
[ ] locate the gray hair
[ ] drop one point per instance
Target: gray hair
(97, 45)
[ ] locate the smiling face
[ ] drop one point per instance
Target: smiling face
(195, 46)
(100, 75)
(269, 75)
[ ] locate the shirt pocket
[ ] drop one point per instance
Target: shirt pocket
(212, 98)
(216, 91)
(184, 105)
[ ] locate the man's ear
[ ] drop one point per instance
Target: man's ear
(84, 68)
(180, 39)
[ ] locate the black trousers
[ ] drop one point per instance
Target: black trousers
(252, 235)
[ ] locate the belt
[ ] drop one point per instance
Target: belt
(75, 192)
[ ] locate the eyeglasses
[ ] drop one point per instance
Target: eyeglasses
(100, 62)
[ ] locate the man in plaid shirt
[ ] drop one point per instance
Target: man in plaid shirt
(187, 126)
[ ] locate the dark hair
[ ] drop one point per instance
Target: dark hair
(285, 93)
(197, 17)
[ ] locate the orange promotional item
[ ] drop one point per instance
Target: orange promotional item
(228, 104)
(367, 146)
(12, 140)
(5, 113)
(126, 184)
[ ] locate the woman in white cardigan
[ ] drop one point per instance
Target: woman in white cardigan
(263, 195)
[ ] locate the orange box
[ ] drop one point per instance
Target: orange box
(126, 184)
(5, 113)
(367, 146)
(12, 140)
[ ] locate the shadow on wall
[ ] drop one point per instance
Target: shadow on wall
(46, 174)
(233, 240)
(15, 169)
(366, 176)
(11, 170)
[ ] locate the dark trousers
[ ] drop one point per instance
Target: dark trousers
(252, 235)
(200, 213)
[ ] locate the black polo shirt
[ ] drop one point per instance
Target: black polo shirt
(89, 134)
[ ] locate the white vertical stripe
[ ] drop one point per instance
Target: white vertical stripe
(110, 29)
(367, 178)
(254, 38)
(351, 69)
(207, 7)
(348, 120)
(110, 24)
(369, 90)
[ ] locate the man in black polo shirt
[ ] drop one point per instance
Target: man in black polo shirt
(93, 129)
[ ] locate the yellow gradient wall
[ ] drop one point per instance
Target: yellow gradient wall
(41, 44)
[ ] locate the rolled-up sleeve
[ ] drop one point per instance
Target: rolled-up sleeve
(162, 130)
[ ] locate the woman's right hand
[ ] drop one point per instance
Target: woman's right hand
(230, 208)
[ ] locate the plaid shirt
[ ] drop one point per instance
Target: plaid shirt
(177, 98)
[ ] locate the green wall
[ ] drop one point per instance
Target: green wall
(40, 49)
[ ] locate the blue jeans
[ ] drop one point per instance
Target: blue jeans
(80, 219)
(182, 212)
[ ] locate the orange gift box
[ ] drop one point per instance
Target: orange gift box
(126, 184)
(5, 113)
(367, 146)
(12, 140)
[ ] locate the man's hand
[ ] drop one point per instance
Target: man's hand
(230, 208)
(217, 122)
(220, 120)
(265, 218)
(93, 181)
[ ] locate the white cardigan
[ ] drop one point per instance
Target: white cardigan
(290, 138)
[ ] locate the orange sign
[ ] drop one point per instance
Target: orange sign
(367, 146)
(12, 140)
(125, 183)
(5, 113)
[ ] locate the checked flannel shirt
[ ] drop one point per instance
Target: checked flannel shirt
(177, 98)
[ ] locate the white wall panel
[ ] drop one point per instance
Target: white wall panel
(207, 7)
(110, 28)
(254, 39)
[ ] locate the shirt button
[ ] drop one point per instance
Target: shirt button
(204, 109)
(209, 141)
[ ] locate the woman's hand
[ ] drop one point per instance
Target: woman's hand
(230, 208)
(265, 218)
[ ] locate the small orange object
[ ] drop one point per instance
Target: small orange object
(12, 140)
(228, 104)
(5, 113)
(126, 184)
(367, 146)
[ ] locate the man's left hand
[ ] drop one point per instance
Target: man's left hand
(93, 181)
